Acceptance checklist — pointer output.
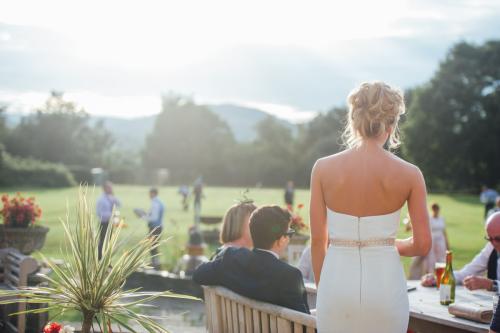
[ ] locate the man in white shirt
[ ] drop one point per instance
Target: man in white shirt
(494, 209)
(488, 260)
(488, 197)
(104, 208)
(155, 223)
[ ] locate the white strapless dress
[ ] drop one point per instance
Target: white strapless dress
(362, 286)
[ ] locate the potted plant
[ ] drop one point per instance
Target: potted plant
(94, 286)
(19, 230)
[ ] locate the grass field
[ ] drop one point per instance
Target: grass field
(463, 215)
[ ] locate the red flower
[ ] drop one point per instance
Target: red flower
(52, 328)
(297, 222)
(19, 211)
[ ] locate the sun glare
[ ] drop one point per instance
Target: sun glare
(170, 34)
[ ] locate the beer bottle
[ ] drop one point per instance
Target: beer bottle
(447, 288)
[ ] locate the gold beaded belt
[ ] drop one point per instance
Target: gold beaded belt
(362, 243)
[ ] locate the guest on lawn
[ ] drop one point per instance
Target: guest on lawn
(488, 197)
(494, 209)
(423, 265)
(154, 218)
(487, 261)
(258, 273)
(104, 208)
(236, 227)
(289, 194)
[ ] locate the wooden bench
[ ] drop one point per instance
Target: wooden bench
(15, 270)
(228, 312)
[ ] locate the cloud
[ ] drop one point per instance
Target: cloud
(304, 56)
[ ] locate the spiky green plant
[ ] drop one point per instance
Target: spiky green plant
(91, 285)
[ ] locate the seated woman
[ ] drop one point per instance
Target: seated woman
(235, 228)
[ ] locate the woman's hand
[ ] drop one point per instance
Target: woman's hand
(428, 280)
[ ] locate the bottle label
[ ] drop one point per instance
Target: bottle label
(445, 292)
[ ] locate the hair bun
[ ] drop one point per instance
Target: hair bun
(374, 107)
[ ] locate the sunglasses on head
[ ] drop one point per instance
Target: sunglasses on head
(495, 239)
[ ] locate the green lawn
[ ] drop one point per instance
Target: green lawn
(463, 215)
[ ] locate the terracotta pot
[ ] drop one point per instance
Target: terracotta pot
(26, 240)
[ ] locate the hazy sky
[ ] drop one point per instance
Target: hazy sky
(117, 57)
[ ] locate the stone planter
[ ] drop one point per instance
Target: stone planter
(295, 248)
(26, 240)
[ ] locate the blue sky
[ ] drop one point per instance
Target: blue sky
(290, 58)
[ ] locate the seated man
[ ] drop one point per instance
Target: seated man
(486, 261)
(258, 273)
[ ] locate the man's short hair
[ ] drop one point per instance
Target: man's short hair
(268, 224)
(153, 190)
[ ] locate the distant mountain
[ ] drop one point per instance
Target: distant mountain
(131, 133)
(241, 120)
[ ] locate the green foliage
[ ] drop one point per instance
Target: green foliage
(60, 133)
(272, 155)
(3, 127)
(91, 285)
(189, 140)
(453, 127)
(321, 137)
(15, 171)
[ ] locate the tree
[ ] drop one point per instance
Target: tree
(272, 153)
(3, 127)
(453, 125)
(60, 132)
(322, 136)
(189, 140)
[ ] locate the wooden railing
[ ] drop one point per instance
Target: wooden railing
(228, 312)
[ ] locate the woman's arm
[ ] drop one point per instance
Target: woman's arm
(317, 218)
(421, 241)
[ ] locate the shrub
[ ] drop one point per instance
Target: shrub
(15, 171)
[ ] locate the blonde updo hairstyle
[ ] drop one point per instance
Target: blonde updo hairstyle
(374, 109)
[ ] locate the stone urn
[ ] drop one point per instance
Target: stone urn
(26, 240)
(295, 248)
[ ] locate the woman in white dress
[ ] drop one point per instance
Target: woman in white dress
(424, 265)
(356, 198)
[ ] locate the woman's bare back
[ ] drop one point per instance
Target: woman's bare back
(365, 181)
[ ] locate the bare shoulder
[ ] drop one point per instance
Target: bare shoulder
(408, 169)
(328, 161)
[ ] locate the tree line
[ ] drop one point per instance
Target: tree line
(451, 131)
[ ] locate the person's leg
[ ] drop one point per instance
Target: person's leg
(197, 212)
(487, 208)
(102, 235)
(155, 260)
